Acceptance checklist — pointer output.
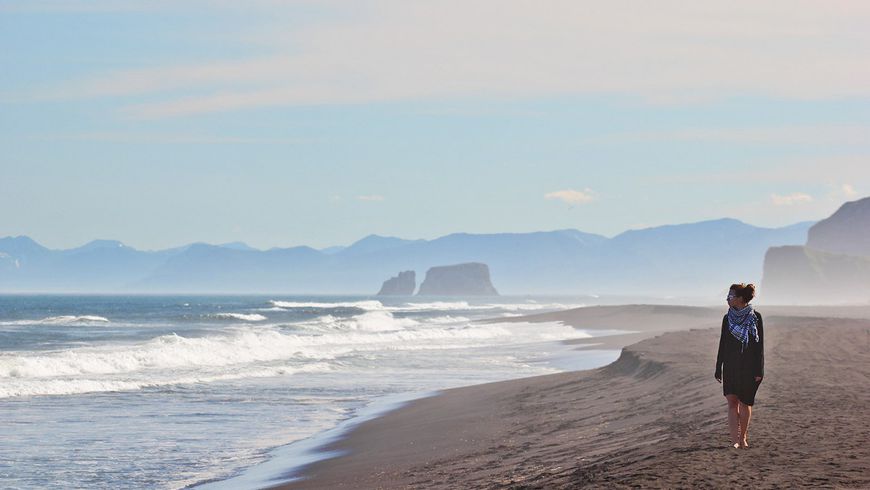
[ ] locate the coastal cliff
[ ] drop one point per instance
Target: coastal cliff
(846, 232)
(833, 267)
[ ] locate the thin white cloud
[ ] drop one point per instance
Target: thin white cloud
(842, 191)
(571, 196)
(372, 197)
(788, 135)
(849, 191)
(790, 199)
(164, 138)
(663, 52)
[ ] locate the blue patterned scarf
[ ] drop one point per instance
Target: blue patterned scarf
(742, 324)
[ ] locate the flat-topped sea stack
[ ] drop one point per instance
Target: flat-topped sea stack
(401, 285)
(469, 279)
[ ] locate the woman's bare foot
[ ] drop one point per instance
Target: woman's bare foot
(744, 443)
(735, 445)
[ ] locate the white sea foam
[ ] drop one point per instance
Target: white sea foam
(436, 306)
(370, 321)
(70, 386)
(537, 306)
(374, 305)
(246, 349)
(247, 317)
(447, 319)
(464, 305)
(77, 320)
(232, 372)
(375, 321)
(163, 352)
(363, 305)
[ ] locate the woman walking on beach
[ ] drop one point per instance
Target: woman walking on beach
(741, 359)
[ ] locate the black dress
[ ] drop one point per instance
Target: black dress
(740, 368)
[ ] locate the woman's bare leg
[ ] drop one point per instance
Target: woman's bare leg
(745, 412)
(734, 418)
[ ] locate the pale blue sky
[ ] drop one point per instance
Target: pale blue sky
(289, 123)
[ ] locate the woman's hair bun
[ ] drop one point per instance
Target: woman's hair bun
(745, 291)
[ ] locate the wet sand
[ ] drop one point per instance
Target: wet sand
(655, 418)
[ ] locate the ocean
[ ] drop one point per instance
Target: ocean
(179, 391)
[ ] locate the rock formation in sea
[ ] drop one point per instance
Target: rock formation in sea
(833, 267)
(466, 279)
(401, 285)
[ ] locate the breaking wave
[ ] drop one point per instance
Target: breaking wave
(363, 305)
(247, 317)
(72, 386)
(249, 352)
(56, 320)
(78, 320)
(375, 305)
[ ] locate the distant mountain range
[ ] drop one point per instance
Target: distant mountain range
(694, 259)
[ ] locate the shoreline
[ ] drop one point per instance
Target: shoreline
(286, 463)
(317, 446)
(520, 433)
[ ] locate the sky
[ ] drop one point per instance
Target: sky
(285, 123)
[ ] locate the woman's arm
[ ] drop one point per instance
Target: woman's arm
(759, 357)
(720, 356)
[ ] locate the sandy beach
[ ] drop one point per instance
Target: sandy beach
(655, 418)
